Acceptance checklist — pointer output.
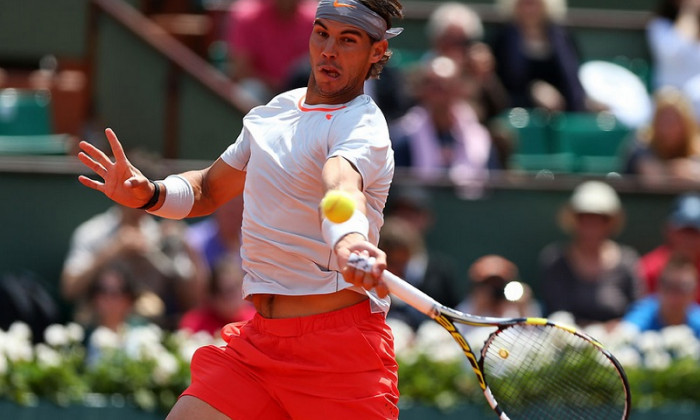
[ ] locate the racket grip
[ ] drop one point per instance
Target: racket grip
(399, 287)
(410, 294)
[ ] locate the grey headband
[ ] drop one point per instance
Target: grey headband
(356, 14)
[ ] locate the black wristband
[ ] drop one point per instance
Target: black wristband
(154, 198)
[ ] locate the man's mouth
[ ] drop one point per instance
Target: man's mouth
(330, 71)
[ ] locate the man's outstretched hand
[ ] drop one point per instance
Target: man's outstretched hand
(122, 182)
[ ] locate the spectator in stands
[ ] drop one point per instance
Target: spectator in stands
(408, 258)
(592, 276)
(536, 57)
(266, 39)
(224, 302)
(412, 204)
(218, 235)
(456, 31)
(674, 41)
(442, 135)
(496, 290)
(682, 237)
(113, 294)
(155, 253)
(669, 148)
(674, 303)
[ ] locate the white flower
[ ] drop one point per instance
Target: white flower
(76, 333)
(598, 332)
(403, 335)
(657, 360)
(649, 341)
(677, 337)
(142, 343)
(56, 335)
(628, 357)
(165, 368)
(18, 349)
(447, 353)
(563, 318)
(430, 334)
(46, 356)
(20, 331)
(103, 338)
(624, 335)
(187, 349)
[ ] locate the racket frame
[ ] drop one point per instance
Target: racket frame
(447, 317)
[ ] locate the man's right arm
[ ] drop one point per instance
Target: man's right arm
(123, 183)
(213, 186)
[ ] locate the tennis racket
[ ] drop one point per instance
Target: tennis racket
(530, 368)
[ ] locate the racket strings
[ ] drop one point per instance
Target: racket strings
(545, 372)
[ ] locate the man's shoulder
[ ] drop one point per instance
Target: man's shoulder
(281, 102)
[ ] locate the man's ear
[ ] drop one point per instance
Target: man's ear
(378, 50)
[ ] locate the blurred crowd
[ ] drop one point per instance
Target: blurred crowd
(448, 110)
(588, 278)
(125, 267)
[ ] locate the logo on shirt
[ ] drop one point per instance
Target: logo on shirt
(329, 116)
(336, 3)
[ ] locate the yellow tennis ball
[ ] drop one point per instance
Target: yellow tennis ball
(337, 206)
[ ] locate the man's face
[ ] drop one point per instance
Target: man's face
(684, 240)
(677, 290)
(341, 55)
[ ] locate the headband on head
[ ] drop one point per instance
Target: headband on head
(356, 14)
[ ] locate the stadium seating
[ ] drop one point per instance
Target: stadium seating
(533, 149)
(565, 142)
(594, 139)
(36, 144)
(25, 112)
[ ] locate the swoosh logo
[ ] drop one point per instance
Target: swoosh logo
(336, 3)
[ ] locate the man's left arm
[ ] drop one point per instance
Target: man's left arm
(339, 174)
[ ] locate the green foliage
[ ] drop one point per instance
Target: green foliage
(678, 383)
(663, 369)
(446, 384)
(148, 369)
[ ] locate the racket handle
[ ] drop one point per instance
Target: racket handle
(410, 294)
(399, 287)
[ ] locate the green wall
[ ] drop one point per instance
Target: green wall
(45, 410)
(41, 210)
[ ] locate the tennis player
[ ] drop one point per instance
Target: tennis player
(318, 347)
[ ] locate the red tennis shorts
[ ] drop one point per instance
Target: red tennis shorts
(338, 365)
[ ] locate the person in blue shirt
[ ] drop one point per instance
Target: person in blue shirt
(674, 303)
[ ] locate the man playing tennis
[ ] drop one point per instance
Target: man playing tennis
(319, 346)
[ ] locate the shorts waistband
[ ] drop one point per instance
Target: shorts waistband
(290, 327)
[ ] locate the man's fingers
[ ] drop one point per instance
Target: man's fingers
(117, 149)
(95, 154)
(90, 163)
(91, 183)
(381, 289)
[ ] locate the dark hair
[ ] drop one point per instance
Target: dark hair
(668, 9)
(387, 9)
(128, 282)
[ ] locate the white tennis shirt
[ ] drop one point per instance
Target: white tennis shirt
(283, 147)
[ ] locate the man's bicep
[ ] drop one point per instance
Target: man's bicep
(340, 174)
(219, 183)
